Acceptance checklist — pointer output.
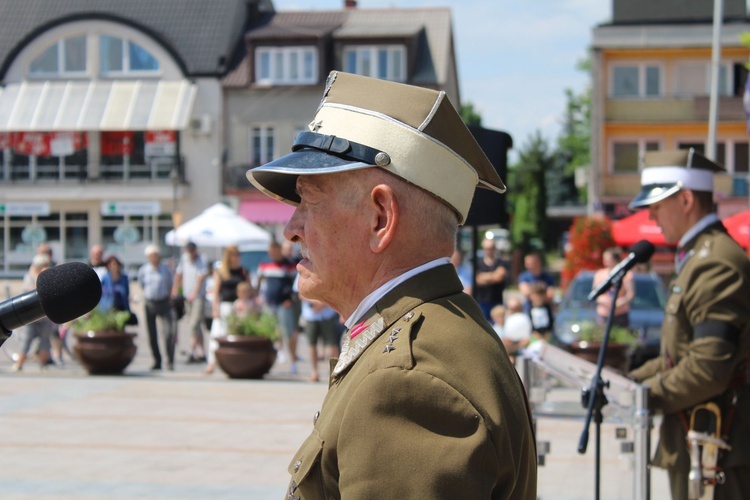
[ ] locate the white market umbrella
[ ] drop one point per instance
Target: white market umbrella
(220, 226)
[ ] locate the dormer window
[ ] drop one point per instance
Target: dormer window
(286, 66)
(118, 56)
(387, 62)
(66, 57)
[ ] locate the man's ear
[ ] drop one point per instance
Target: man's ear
(385, 217)
(687, 200)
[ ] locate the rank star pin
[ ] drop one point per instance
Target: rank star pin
(389, 348)
(394, 335)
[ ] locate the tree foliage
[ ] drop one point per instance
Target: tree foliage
(529, 194)
(470, 116)
(574, 141)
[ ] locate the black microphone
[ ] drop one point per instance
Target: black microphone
(63, 293)
(639, 253)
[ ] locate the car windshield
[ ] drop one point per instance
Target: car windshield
(649, 293)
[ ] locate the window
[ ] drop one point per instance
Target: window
(739, 78)
(626, 155)
(387, 62)
(262, 145)
(286, 65)
(741, 157)
(67, 56)
(130, 155)
(636, 80)
(33, 156)
(117, 56)
(694, 79)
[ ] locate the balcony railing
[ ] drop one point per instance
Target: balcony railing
(729, 109)
(155, 169)
(672, 109)
(235, 177)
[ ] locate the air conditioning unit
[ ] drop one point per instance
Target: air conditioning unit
(201, 124)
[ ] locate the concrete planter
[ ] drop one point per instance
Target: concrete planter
(106, 352)
(245, 356)
(617, 355)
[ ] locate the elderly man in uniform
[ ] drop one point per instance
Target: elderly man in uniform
(706, 331)
(423, 402)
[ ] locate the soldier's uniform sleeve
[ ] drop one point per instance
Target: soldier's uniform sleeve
(407, 434)
(716, 306)
(647, 369)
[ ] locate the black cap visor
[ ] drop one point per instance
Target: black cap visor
(312, 154)
(652, 193)
(279, 177)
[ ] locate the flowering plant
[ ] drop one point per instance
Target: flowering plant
(589, 237)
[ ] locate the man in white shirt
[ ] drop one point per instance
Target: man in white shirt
(190, 283)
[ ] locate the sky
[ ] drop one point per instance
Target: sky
(515, 57)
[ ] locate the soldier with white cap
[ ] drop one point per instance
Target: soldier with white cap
(423, 402)
(705, 343)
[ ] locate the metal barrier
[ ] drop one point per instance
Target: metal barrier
(627, 401)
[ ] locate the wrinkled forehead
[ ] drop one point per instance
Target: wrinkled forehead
(334, 183)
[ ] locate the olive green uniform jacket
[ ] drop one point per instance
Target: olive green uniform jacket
(698, 357)
(424, 403)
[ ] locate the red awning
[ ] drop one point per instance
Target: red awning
(267, 211)
(738, 227)
(637, 227)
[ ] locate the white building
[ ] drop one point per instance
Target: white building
(111, 120)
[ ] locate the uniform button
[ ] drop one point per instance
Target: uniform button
(315, 417)
(297, 465)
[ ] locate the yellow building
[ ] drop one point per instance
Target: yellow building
(651, 79)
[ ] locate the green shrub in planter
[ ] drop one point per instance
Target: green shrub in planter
(101, 321)
(253, 325)
(590, 331)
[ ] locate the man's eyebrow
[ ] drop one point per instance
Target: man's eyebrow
(302, 188)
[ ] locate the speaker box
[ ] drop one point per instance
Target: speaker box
(488, 207)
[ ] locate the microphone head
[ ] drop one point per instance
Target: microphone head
(68, 291)
(642, 250)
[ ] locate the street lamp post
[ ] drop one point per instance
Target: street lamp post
(175, 178)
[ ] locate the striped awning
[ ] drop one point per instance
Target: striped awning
(96, 105)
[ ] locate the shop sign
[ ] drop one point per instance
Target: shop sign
(160, 143)
(117, 143)
(24, 208)
(131, 208)
(44, 143)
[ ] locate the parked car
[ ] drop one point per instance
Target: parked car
(646, 313)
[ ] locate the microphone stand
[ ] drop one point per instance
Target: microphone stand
(593, 397)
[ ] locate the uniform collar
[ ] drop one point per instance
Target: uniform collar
(425, 286)
(371, 299)
(698, 228)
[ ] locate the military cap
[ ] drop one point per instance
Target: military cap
(412, 132)
(666, 172)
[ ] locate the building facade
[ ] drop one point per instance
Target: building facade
(111, 120)
(651, 79)
(274, 88)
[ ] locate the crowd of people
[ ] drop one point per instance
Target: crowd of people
(191, 301)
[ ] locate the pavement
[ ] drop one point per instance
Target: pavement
(186, 435)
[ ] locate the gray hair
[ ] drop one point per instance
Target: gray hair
(434, 218)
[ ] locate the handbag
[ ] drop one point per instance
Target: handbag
(132, 320)
(178, 305)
